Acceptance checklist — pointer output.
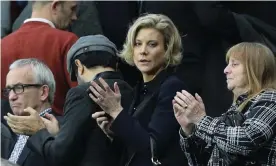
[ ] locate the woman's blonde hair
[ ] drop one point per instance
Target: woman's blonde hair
(164, 25)
(259, 64)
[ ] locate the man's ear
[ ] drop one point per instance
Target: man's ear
(79, 66)
(44, 95)
(55, 5)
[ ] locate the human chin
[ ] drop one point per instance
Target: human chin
(17, 111)
(144, 69)
(229, 86)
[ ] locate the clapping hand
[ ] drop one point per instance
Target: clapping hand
(106, 98)
(188, 109)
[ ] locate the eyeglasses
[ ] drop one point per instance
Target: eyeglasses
(18, 89)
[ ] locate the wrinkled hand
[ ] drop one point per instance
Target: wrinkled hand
(179, 115)
(184, 122)
(26, 125)
(192, 108)
(51, 124)
(104, 123)
(107, 99)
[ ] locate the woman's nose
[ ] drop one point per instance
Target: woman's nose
(227, 70)
(143, 50)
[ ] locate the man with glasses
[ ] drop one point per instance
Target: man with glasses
(43, 36)
(30, 88)
(80, 142)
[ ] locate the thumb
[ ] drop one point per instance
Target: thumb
(45, 121)
(116, 88)
(175, 109)
(29, 110)
(51, 117)
(198, 98)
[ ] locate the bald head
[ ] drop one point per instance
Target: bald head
(39, 4)
(60, 13)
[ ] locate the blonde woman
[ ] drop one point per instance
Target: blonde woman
(246, 134)
(153, 46)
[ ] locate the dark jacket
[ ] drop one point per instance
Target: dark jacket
(28, 157)
(151, 114)
(80, 142)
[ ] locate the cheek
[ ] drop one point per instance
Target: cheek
(32, 97)
(240, 81)
(135, 58)
(69, 15)
(160, 59)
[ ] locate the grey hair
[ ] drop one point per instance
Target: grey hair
(42, 74)
(163, 24)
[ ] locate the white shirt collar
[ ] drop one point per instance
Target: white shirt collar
(40, 20)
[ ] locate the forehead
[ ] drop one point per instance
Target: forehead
(20, 75)
(70, 3)
(234, 58)
(149, 34)
(235, 54)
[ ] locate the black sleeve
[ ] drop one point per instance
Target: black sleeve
(68, 145)
(130, 131)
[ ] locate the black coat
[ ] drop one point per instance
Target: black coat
(151, 114)
(80, 142)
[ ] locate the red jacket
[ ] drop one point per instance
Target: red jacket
(39, 40)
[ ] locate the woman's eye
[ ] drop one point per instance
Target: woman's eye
(152, 44)
(137, 44)
(234, 64)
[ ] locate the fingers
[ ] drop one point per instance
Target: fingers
(177, 109)
(116, 88)
(51, 117)
(6, 118)
(103, 125)
(12, 125)
(180, 101)
(14, 118)
(98, 114)
(97, 89)
(94, 91)
(96, 100)
(188, 96)
(45, 121)
(105, 85)
(30, 110)
(173, 101)
(15, 128)
(101, 119)
(184, 98)
(15, 124)
(18, 131)
(198, 98)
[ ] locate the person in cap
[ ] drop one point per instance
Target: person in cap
(79, 140)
